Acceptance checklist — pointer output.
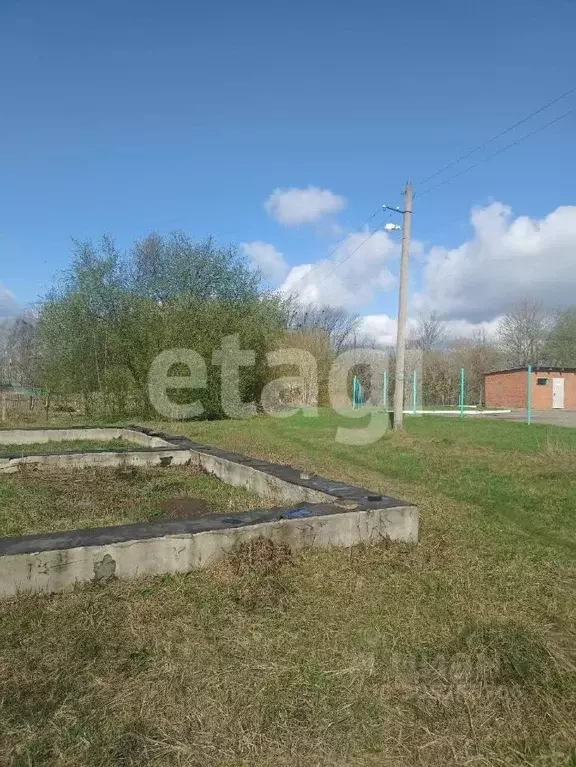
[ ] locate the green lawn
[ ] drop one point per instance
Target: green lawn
(63, 446)
(457, 651)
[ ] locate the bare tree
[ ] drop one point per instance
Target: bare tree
(18, 350)
(523, 333)
(340, 326)
(439, 377)
(429, 333)
(561, 345)
(477, 355)
(5, 330)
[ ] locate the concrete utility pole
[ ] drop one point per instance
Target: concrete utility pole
(402, 301)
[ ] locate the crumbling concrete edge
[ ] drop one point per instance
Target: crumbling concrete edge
(47, 565)
(315, 512)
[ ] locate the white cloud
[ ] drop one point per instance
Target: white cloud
(471, 286)
(383, 328)
(351, 277)
(292, 207)
(506, 259)
(265, 257)
(465, 329)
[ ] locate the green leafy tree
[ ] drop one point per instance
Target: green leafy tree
(112, 313)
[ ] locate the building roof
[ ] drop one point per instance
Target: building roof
(535, 369)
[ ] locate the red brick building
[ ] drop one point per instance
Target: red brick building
(550, 388)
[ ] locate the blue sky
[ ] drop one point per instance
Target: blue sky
(126, 117)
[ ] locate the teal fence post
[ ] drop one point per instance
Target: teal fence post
(414, 390)
(356, 393)
(529, 396)
(462, 378)
(385, 391)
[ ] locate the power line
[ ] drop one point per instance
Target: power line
(496, 153)
(499, 135)
(451, 164)
(339, 264)
(339, 245)
(349, 256)
(343, 240)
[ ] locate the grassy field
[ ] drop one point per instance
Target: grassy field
(47, 501)
(73, 445)
(457, 651)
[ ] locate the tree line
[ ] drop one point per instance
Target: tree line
(96, 332)
(526, 335)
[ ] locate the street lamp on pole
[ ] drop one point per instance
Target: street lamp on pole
(402, 304)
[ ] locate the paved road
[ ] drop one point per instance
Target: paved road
(554, 417)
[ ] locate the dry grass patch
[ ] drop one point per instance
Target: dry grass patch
(44, 501)
(457, 651)
(376, 656)
(256, 574)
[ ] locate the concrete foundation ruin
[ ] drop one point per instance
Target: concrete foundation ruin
(306, 511)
